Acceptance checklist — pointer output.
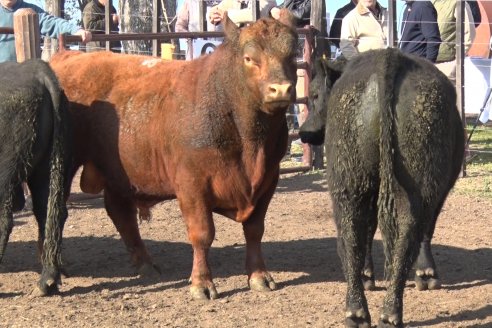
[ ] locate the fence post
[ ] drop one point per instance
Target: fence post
(26, 33)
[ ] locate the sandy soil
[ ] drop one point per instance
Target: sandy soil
(300, 250)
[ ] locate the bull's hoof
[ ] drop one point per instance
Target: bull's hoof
(357, 319)
(262, 284)
(368, 280)
(426, 280)
(390, 321)
(149, 270)
(45, 288)
(204, 293)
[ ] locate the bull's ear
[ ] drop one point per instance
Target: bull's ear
(231, 31)
(333, 69)
(286, 18)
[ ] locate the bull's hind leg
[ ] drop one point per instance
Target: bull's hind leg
(258, 277)
(123, 212)
(6, 219)
(201, 232)
(403, 234)
(351, 220)
(426, 276)
(49, 233)
(368, 279)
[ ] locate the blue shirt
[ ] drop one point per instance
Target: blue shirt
(49, 26)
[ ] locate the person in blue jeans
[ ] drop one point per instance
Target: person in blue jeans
(419, 30)
(51, 26)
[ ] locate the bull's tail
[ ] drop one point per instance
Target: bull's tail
(56, 207)
(388, 67)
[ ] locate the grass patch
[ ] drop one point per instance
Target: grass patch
(478, 179)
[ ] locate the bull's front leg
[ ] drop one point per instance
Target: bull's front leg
(201, 232)
(258, 277)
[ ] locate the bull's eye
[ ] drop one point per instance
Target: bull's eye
(315, 96)
(249, 61)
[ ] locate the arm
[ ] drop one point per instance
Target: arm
(183, 19)
(430, 30)
(245, 15)
(349, 37)
(53, 26)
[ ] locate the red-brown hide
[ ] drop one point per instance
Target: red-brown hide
(210, 132)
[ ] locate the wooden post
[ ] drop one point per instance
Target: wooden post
(460, 67)
(202, 16)
(392, 30)
(26, 32)
(107, 22)
(157, 8)
(255, 7)
(316, 14)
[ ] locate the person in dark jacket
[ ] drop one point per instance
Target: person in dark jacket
(336, 26)
(419, 30)
(94, 21)
(475, 10)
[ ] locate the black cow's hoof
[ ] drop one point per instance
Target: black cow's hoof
(200, 293)
(357, 319)
(368, 281)
(390, 321)
(427, 280)
(45, 288)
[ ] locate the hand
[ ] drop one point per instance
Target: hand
(275, 12)
(116, 19)
(216, 16)
(86, 35)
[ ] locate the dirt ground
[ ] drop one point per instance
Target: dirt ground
(300, 250)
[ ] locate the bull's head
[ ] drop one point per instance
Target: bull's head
(267, 53)
(324, 75)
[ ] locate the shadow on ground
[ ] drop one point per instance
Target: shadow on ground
(315, 258)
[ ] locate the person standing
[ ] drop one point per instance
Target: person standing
(188, 21)
(49, 25)
(364, 28)
(419, 30)
(446, 19)
(336, 26)
(93, 18)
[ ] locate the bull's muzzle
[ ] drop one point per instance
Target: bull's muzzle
(279, 92)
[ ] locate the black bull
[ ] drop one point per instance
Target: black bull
(394, 146)
(34, 136)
